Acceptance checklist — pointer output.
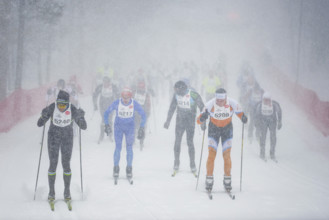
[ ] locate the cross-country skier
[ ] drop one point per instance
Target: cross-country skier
(186, 102)
(268, 115)
(220, 109)
(107, 92)
(60, 138)
(124, 124)
(143, 97)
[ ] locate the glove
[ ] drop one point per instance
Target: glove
(80, 113)
(166, 125)
(49, 92)
(203, 126)
(141, 133)
(108, 129)
(244, 119)
(204, 116)
(279, 125)
(95, 108)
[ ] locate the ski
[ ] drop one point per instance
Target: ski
(230, 194)
(52, 204)
(130, 180)
(68, 203)
(209, 194)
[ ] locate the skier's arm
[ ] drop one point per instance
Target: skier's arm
(172, 109)
(96, 94)
(46, 114)
(79, 117)
(113, 106)
(141, 112)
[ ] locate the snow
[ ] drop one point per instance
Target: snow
(295, 188)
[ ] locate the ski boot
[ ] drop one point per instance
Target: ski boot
(209, 183)
(129, 172)
(193, 170)
(227, 183)
(116, 170)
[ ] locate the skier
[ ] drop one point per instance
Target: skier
(255, 97)
(60, 137)
(220, 109)
(210, 83)
(108, 92)
(142, 96)
(124, 124)
(268, 115)
(53, 92)
(186, 101)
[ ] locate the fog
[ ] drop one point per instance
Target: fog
(127, 35)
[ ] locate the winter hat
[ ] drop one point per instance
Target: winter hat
(180, 88)
(63, 96)
(267, 95)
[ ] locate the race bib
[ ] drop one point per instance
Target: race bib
(125, 111)
(140, 98)
(222, 113)
(62, 119)
(267, 110)
(107, 92)
(184, 101)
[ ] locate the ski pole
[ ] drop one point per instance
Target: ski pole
(42, 138)
(241, 157)
(197, 182)
(36, 182)
(80, 162)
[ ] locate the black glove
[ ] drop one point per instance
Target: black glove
(204, 116)
(141, 133)
(279, 125)
(80, 113)
(108, 130)
(203, 126)
(166, 124)
(244, 119)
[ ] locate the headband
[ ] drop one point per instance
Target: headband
(220, 95)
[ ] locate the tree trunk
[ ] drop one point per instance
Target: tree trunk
(20, 44)
(4, 48)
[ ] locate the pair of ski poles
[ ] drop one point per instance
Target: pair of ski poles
(196, 187)
(36, 182)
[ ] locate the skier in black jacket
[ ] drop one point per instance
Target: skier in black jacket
(268, 115)
(186, 101)
(60, 137)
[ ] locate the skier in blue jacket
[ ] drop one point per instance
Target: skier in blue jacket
(124, 124)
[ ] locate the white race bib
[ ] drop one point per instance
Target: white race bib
(107, 92)
(126, 111)
(267, 109)
(62, 119)
(140, 98)
(184, 101)
(222, 113)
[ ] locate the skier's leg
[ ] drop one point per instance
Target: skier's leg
(177, 147)
(130, 138)
(191, 150)
(118, 135)
(263, 131)
(272, 129)
(66, 151)
(53, 153)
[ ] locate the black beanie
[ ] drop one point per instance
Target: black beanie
(63, 96)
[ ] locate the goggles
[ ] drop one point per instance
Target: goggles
(62, 105)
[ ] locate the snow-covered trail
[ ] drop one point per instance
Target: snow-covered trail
(295, 188)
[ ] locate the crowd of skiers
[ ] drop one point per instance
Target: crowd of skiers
(118, 101)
